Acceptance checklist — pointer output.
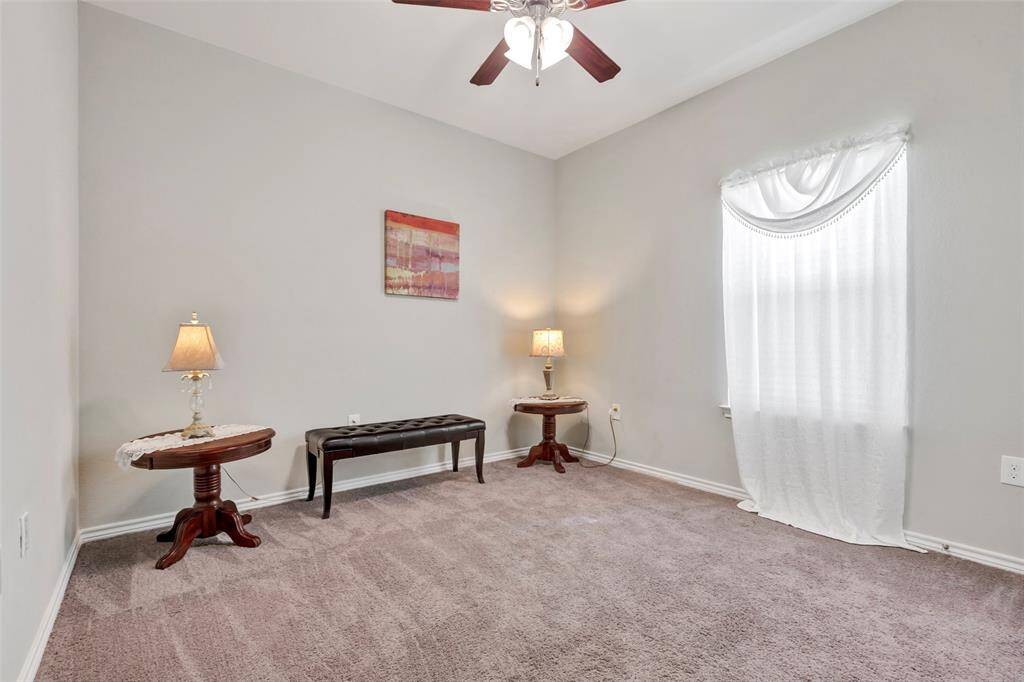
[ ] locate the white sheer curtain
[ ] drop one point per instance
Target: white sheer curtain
(815, 291)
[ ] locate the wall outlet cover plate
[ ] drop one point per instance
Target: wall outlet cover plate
(1011, 471)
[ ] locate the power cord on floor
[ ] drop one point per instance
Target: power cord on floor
(251, 496)
(615, 442)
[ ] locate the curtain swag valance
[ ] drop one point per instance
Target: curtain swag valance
(811, 189)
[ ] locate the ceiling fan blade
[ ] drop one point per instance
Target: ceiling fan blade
(591, 57)
(481, 5)
(591, 4)
(492, 66)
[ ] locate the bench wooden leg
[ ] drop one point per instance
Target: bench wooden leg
(480, 456)
(311, 469)
(328, 466)
(455, 455)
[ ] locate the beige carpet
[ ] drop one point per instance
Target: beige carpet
(595, 575)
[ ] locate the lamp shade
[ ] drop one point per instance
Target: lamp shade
(547, 343)
(194, 349)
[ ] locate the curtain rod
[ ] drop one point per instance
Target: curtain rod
(889, 132)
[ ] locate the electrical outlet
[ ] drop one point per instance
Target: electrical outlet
(616, 412)
(354, 419)
(23, 535)
(1012, 471)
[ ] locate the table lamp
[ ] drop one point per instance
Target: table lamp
(195, 353)
(548, 343)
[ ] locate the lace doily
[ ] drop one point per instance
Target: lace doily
(131, 451)
(535, 400)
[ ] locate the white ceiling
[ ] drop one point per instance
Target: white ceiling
(421, 58)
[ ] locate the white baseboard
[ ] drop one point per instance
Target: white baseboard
(35, 651)
(962, 551)
(682, 479)
(109, 530)
(926, 542)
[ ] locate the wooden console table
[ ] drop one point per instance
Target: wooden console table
(209, 515)
(550, 450)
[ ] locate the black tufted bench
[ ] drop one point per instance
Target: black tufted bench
(345, 442)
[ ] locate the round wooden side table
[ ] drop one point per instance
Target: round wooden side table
(550, 450)
(209, 515)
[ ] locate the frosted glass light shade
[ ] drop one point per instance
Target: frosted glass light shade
(556, 35)
(194, 349)
(547, 343)
(519, 38)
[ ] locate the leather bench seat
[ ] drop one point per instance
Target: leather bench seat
(371, 439)
(358, 440)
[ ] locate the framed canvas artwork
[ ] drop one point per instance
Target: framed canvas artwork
(421, 256)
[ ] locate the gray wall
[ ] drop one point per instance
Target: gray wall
(639, 249)
(39, 319)
(255, 196)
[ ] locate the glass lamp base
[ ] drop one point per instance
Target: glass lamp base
(549, 394)
(196, 382)
(196, 429)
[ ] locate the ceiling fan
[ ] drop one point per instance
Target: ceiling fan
(536, 37)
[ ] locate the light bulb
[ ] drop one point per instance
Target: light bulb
(555, 38)
(519, 38)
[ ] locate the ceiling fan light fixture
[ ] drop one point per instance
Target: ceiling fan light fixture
(535, 37)
(519, 32)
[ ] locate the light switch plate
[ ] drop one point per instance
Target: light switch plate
(1012, 471)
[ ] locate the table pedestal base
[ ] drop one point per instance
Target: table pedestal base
(549, 450)
(209, 516)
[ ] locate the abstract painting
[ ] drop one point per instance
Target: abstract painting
(421, 256)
